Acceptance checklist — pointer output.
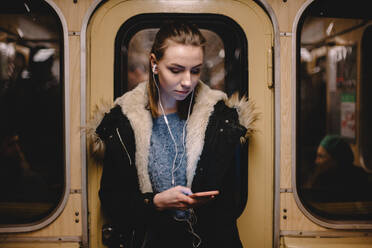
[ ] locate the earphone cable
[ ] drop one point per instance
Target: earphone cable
(191, 221)
(170, 132)
(184, 131)
(192, 218)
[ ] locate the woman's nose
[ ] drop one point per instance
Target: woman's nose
(186, 79)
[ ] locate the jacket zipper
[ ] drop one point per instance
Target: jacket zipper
(133, 239)
(125, 148)
(144, 240)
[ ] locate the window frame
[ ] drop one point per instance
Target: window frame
(65, 93)
(296, 38)
(362, 112)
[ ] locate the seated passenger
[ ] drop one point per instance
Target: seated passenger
(18, 182)
(335, 176)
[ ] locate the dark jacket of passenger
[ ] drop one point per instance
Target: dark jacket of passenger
(215, 129)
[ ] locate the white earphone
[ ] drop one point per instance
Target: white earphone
(153, 68)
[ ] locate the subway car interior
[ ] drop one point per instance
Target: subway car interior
(306, 64)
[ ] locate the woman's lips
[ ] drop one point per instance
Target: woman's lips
(181, 92)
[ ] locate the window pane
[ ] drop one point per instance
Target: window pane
(31, 128)
(332, 180)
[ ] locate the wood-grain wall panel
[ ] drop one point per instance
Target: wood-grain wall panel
(286, 112)
(75, 128)
(286, 12)
(294, 242)
(291, 217)
(40, 245)
(95, 214)
(67, 224)
(74, 12)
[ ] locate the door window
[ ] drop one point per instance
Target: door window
(32, 165)
(334, 179)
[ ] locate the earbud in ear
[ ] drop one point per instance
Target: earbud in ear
(153, 68)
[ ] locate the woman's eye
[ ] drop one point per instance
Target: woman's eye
(174, 70)
(195, 71)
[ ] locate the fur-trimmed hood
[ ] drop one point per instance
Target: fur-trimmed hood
(134, 106)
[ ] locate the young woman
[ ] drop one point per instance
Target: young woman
(169, 152)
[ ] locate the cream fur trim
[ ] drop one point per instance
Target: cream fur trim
(205, 99)
(246, 111)
(96, 146)
(133, 105)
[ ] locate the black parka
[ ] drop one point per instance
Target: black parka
(214, 133)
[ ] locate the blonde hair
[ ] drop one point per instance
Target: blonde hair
(180, 33)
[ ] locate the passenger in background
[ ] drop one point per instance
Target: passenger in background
(18, 182)
(19, 65)
(335, 176)
(137, 70)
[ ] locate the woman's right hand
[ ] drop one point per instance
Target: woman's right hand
(174, 198)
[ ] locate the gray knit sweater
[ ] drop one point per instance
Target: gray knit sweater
(162, 154)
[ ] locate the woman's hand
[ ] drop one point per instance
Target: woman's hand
(177, 198)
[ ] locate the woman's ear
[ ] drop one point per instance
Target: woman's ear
(153, 63)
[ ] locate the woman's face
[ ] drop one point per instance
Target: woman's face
(324, 160)
(179, 72)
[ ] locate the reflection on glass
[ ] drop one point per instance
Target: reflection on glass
(31, 127)
(213, 72)
(331, 180)
(138, 56)
(335, 177)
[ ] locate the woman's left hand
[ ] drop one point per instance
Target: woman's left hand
(178, 197)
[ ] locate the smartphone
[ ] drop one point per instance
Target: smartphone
(205, 194)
